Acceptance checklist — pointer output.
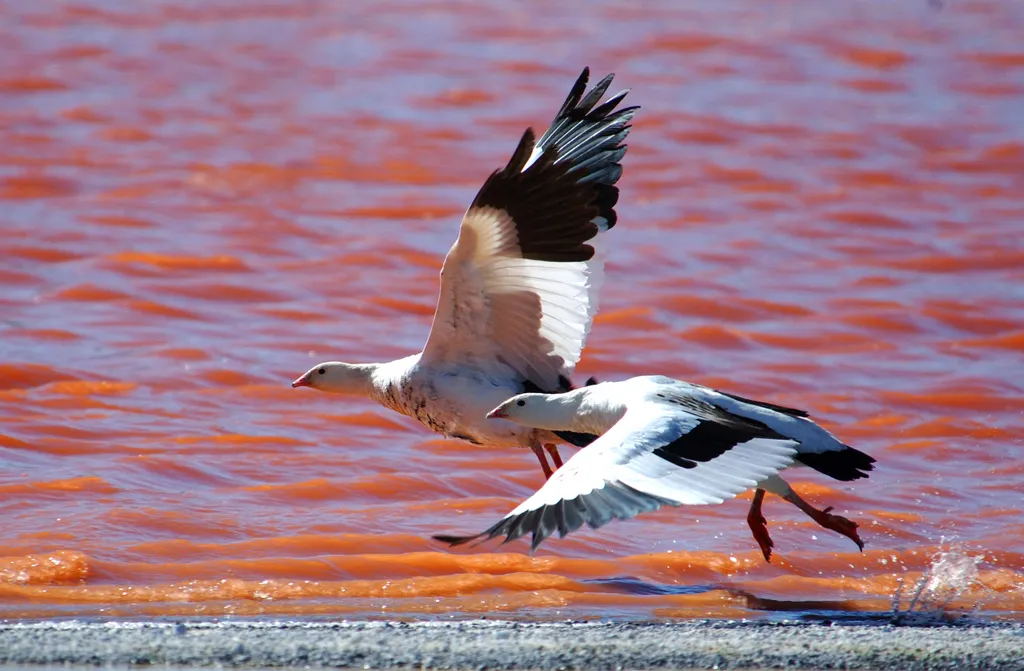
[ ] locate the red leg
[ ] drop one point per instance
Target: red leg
(556, 459)
(543, 461)
(759, 525)
(827, 520)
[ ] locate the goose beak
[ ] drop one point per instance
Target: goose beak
(301, 382)
(497, 413)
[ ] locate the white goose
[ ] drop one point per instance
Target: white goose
(666, 442)
(518, 288)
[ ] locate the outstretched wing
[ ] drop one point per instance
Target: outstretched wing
(520, 284)
(657, 454)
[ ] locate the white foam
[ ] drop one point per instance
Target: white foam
(952, 574)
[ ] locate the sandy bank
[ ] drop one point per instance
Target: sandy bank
(506, 645)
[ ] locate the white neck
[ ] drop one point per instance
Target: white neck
(558, 412)
(597, 412)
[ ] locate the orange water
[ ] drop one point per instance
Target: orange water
(821, 207)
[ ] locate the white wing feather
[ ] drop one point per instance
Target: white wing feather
(496, 306)
(625, 455)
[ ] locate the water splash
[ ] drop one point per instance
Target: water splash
(936, 597)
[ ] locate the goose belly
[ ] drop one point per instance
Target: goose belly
(456, 405)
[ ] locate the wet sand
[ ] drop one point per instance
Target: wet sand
(508, 645)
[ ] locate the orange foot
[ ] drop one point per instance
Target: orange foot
(838, 524)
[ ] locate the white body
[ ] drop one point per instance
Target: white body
(453, 400)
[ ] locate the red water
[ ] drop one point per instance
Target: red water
(821, 207)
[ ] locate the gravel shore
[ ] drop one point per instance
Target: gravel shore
(510, 645)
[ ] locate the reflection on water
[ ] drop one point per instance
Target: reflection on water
(821, 208)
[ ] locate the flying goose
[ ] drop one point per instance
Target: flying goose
(667, 442)
(519, 287)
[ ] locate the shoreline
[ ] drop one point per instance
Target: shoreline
(488, 644)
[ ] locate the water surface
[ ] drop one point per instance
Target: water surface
(821, 208)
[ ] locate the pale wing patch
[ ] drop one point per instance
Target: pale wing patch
(533, 315)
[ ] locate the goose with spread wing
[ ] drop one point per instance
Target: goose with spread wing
(519, 287)
(667, 442)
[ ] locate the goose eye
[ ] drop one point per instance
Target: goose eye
(520, 403)
(322, 371)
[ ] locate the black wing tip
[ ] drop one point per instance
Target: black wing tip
(453, 541)
(575, 94)
(567, 195)
(522, 153)
(602, 86)
(868, 460)
(582, 102)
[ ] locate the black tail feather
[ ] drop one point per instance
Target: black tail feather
(452, 541)
(843, 465)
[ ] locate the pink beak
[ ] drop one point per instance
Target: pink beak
(301, 382)
(497, 413)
